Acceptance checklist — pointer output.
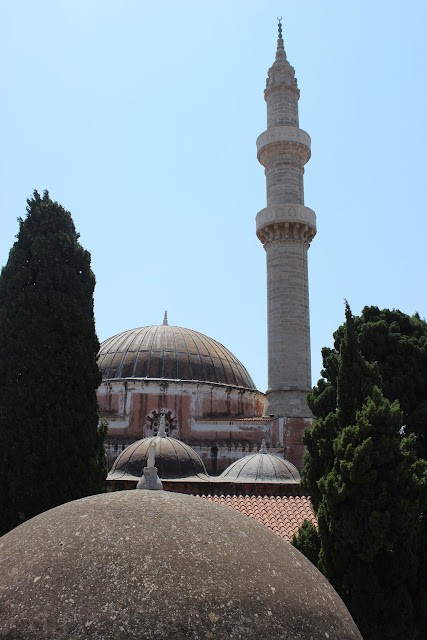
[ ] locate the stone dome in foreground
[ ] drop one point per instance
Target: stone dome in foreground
(159, 565)
(261, 467)
(173, 459)
(173, 353)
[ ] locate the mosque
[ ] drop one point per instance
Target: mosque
(212, 433)
(207, 397)
(162, 564)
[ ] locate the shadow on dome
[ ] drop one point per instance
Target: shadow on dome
(173, 459)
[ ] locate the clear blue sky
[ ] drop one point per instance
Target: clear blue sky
(141, 119)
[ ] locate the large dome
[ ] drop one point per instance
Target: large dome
(153, 564)
(174, 353)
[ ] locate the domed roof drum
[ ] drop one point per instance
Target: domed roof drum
(173, 459)
(174, 353)
(261, 467)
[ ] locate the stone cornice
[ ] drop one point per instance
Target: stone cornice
(289, 232)
(269, 90)
(283, 134)
(292, 213)
(283, 141)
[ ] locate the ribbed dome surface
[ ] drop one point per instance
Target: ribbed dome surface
(173, 459)
(164, 351)
(261, 467)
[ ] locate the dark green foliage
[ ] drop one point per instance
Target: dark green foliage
(368, 518)
(353, 378)
(308, 542)
(51, 450)
(398, 344)
(369, 491)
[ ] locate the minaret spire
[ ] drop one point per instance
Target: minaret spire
(280, 36)
(280, 53)
(286, 228)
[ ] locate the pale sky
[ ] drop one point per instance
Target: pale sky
(141, 119)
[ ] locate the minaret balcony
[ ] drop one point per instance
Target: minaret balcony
(292, 140)
(288, 222)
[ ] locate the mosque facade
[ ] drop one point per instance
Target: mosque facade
(205, 393)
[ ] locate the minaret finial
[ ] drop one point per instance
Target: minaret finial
(280, 28)
(165, 319)
(280, 46)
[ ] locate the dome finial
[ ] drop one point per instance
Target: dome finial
(165, 319)
(150, 481)
(162, 427)
(151, 455)
(263, 448)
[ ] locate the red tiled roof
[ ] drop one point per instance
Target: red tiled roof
(281, 514)
(231, 420)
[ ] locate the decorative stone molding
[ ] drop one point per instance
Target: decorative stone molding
(154, 415)
(286, 232)
(287, 212)
(286, 223)
(293, 140)
(288, 85)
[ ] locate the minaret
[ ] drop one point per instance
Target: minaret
(286, 228)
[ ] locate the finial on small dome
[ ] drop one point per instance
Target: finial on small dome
(165, 319)
(162, 427)
(150, 481)
(151, 454)
(263, 448)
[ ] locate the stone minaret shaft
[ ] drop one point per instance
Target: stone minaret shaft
(286, 228)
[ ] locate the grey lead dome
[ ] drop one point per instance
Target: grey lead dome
(173, 459)
(160, 566)
(262, 467)
(173, 353)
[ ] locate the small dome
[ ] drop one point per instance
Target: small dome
(262, 467)
(173, 459)
(172, 353)
(139, 565)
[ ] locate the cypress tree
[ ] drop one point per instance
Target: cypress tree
(398, 344)
(369, 494)
(308, 542)
(51, 450)
(369, 521)
(353, 379)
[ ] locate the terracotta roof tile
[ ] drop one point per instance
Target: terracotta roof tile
(281, 514)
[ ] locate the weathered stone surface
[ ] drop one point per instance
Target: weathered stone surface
(150, 481)
(158, 565)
